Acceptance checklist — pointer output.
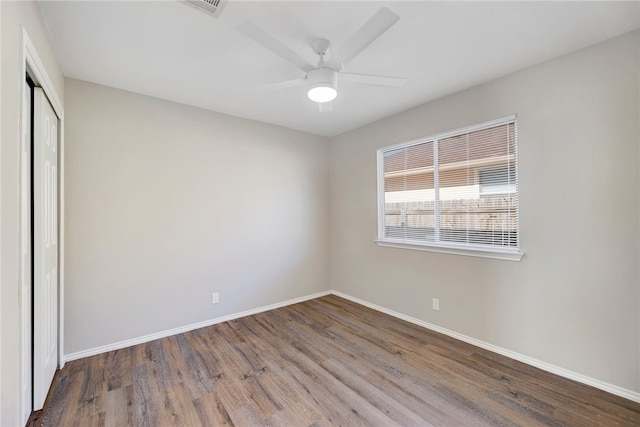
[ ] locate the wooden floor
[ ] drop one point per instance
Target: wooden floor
(322, 362)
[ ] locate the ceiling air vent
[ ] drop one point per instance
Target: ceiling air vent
(213, 7)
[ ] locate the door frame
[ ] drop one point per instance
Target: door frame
(30, 62)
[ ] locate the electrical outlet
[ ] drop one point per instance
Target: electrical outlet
(215, 298)
(435, 304)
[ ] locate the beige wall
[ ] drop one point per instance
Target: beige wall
(166, 204)
(573, 301)
(15, 15)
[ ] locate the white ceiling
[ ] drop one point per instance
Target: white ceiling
(171, 51)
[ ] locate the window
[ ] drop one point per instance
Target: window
(455, 192)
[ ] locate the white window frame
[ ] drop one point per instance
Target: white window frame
(504, 253)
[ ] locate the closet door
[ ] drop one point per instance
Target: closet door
(45, 247)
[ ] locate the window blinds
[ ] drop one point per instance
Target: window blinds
(457, 189)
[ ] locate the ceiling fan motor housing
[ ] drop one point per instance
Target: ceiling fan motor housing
(323, 80)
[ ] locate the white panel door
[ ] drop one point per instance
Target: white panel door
(45, 247)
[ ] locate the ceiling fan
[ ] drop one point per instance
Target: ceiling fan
(322, 79)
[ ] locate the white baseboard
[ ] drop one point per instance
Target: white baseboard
(167, 333)
(610, 388)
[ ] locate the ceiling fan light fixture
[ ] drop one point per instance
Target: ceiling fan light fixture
(322, 85)
(322, 92)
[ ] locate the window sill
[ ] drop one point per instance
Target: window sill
(445, 249)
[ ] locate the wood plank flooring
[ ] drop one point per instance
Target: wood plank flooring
(322, 362)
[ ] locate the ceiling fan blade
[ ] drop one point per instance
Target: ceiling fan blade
(373, 80)
(325, 107)
(255, 33)
(284, 84)
(367, 34)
